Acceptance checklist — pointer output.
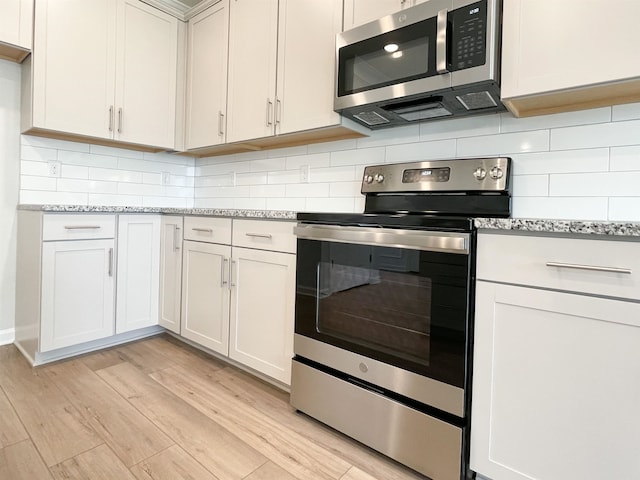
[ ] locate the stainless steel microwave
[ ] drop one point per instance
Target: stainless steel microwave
(438, 59)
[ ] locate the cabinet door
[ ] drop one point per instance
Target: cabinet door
(16, 17)
(550, 46)
(146, 75)
(306, 62)
(170, 272)
(262, 311)
(138, 272)
(357, 12)
(205, 295)
(207, 44)
(555, 388)
(77, 292)
(74, 66)
(252, 69)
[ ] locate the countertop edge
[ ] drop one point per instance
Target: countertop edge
(539, 225)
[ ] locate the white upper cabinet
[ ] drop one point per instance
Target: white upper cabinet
(358, 12)
(207, 46)
(281, 64)
(253, 42)
(104, 69)
(558, 56)
(306, 63)
(146, 75)
(16, 19)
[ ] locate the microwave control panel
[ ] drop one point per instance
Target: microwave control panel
(468, 36)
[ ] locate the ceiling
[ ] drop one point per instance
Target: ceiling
(182, 9)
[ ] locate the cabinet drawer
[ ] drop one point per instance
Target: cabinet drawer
(587, 265)
(77, 226)
(208, 229)
(264, 235)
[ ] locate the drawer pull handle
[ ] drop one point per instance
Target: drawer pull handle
(259, 235)
(82, 227)
(593, 268)
(205, 230)
(111, 262)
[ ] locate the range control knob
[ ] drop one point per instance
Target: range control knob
(480, 173)
(379, 178)
(368, 178)
(496, 173)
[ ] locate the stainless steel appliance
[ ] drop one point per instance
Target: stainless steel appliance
(440, 58)
(384, 310)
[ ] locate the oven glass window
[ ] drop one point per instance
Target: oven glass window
(408, 308)
(399, 56)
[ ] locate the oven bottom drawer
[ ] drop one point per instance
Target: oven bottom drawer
(428, 445)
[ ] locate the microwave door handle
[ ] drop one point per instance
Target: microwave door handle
(441, 42)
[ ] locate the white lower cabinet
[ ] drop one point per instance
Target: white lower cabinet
(77, 292)
(138, 272)
(556, 371)
(170, 272)
(238, 295)
(205, 295)
(262, 311)
(84, 281)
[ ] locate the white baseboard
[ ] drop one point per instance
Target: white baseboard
(7, 336)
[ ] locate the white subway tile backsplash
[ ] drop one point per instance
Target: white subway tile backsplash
(601, 135)
(460, 127)
(579, 165)
(566, 161)
(629, 111)
(567, 208)
(308, 190)
(504, 144)
(332, 174)
(605, 184)
(414, 152)
(513, 124)
(625, 158)
(531, 185)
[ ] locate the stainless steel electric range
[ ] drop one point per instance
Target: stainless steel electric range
(384, 310)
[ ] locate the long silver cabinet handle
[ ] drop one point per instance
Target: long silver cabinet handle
(412, 239)
(278, 111)
(205, 230)
(593, 268)
(223, 281)
(176, 238)
(220, 123)
(441, 42)
(269, 112)
(111, 118)
(111, 262)
(82, 227)
(231, 282)
(259, 235)
(120, 120)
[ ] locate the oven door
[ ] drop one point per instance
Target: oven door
(399, 299)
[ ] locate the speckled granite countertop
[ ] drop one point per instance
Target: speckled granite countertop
(214, 212)
(627, 229)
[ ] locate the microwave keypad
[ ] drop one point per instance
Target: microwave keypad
(469, 34)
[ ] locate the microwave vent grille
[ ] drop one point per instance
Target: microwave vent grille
(477, 100)
(371, 118)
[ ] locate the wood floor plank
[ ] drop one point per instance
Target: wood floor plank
(171, 464)
(293, 452)
(270, 471)
(355, 473)
(275, 403)
(56, 427)
(131, 436)
(103, 359)
(11, 429)
(184, 354)
(21, 461)
(99, 463)
(220, 452)
(144, 357)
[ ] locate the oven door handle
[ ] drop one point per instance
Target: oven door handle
(387, 237)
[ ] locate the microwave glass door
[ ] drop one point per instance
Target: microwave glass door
(398, 56)
(404, 307)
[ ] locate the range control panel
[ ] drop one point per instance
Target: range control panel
(460, 175)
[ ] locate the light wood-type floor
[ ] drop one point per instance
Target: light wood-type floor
(160, 410)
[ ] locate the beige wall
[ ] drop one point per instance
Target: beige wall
(9, 189)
